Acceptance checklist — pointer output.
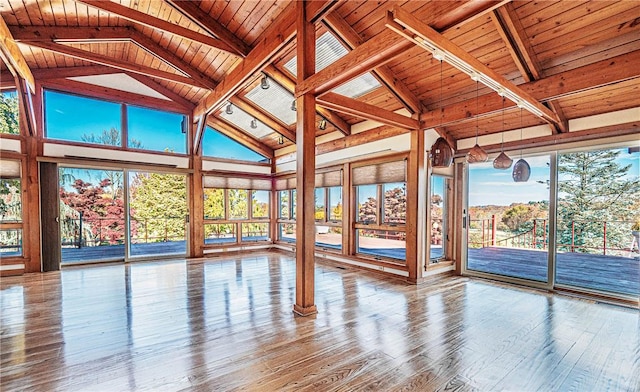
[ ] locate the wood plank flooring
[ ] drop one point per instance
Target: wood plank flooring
(227, 324)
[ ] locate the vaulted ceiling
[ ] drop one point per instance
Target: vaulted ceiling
(577, 58)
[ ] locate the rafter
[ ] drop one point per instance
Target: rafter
(277, 36)
(196, 15)
(71, 72)
(266, 119)
(13, 58)
(353, 107)
(104, 60)
(385, 76)
(240, 136)
(319, 9)
(515, 38)
(159, 24)
(565, 84)
(415, 31)
(285, 81)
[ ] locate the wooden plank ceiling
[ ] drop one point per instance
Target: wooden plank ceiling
(185, 50)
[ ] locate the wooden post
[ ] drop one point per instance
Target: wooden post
(416, 208)
(196, 208)
(305, 170)
(493, 230)
(347, 202)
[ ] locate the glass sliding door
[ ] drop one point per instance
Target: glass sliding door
(598, 205)
(158, 214)
(438, 213)
(508, 228)
(92, 215)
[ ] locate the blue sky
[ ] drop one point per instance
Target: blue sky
(215, 144)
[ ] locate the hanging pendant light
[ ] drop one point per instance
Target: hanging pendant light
(477, 153)
(441, 151)
(502, 161)
(521, 170)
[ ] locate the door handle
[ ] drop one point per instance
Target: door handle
(57, 219)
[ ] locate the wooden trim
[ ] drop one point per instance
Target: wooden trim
(461, 214)
(239, 136)
(277, 36)
(70, 72)
(7, 80)
(13, 58)
(104, 60)
(27, 112)
(353, 107)
(319, 9)
(112, 95)
(385, 76)
(76, 34)
(259, 114)
(410, 27)
(159, 24)
(196, 15)
(238, 161)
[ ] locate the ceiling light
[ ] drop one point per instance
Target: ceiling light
(229, 109)
(323, 124)
(502, 161)
(280, 139)
(254, 124)
(264, 83)
(293, 105)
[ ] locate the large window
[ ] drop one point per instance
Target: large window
(80, 119)
(10, 209)
(9, 113)
(328, 215)
(217, 145)
(381, 210)
(439, 229)
(234, 215)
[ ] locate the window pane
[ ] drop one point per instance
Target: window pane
(11, 241)
(320, 203)
(395, 203)
(214, 203)
(255, 231)
(335, 203)
(81, 119)
(9, 114)
(217, 145)
(156, 130)
(367, 203)
(287, 232)
(437, 214)
(293, 204)
(379, 243)
(260, 201)
(329, 237)
(238, 203)
(10, 200)
(283, 200)
(215, 233)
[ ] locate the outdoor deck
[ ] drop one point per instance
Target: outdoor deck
(597, 272)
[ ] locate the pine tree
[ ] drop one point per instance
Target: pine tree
(9, 114)
(594, 188)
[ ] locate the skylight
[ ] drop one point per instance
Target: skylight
(328, 50)
(243, 120)
(275, 100)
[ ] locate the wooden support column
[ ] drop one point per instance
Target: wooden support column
(196, 208)
(461, 219)
(416, 208)
(31, 200)
(347, 202)
(305, 170)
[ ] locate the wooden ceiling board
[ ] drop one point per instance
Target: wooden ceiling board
(619, 96)
(255, 26)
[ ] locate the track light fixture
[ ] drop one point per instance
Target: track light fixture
(323, 124)
(254, 124)
(229, 109)
(264, 83)
(293, 106)
(280, 139)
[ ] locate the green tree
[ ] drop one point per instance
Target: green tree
(594, 187)
(9, 113)
(519, 217)
(158, 204)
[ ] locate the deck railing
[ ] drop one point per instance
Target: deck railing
(569, 236)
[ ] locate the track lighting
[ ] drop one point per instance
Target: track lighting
(229, 109)
(254, 124)
(323, 124)
(264, 83)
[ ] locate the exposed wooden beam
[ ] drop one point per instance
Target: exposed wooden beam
(384, 75)
(277, 36)
(318, 9)
(194, 13)
(515, 38)
(28, 113)
(13, 58)
(7, 80)
(155, 49)
(466, 12)
(602, 73)
(177, 98)
(410, 27)
(104, 60)
(353, 107)
(78, 34)
(239, 136)
(92, 90)
(371, 54)
(159, 24)
(285, 81)
(267, 120)
(70, 72)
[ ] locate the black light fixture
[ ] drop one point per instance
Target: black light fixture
(229, 109)
(264, 82)
(254, 124)
(323, 124)
(521, 170)
(293, 105)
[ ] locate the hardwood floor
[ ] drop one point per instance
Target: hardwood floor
(227, 324)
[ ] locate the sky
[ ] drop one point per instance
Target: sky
(215, 144)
